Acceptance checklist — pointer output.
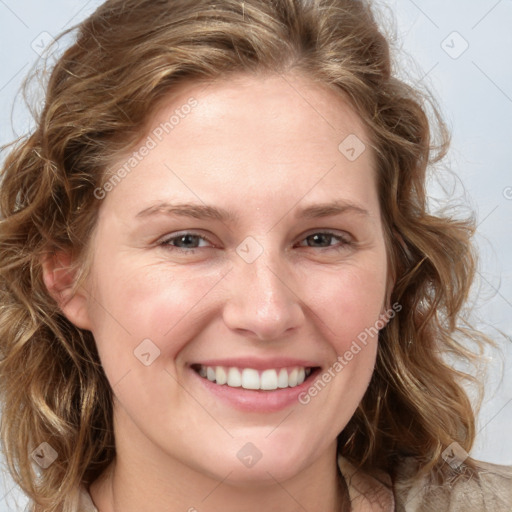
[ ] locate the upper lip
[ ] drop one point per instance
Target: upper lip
(258, 363)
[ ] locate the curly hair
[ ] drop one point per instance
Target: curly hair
(127, 56)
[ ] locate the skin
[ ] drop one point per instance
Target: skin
(264, 147)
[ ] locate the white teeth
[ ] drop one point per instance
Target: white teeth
(292, 377)
(210, 373)
(220, 375)
(249, 378)
(234, 378)
(269, 380)
(282, 379)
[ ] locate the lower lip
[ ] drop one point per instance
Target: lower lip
(257, 400)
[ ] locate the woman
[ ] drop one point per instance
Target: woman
(220, 277)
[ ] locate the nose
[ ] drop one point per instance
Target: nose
(263, 301)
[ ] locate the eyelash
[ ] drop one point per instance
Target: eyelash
(166, 242)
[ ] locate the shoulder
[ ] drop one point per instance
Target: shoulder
(488, 489)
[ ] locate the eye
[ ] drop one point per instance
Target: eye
(187, 241)
(184, 242)
(323, 239)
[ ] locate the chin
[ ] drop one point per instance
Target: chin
(253, 463)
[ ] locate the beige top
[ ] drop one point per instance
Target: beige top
(492, 492)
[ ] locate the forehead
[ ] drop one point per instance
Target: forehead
(260, 100)
(270, 134)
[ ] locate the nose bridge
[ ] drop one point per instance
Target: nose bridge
(269, 286)
(262, 301)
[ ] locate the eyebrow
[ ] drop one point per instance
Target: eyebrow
(198, 211)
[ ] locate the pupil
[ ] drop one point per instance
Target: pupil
(318, 237)
(187, 239)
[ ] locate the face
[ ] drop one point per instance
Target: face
(244, 243)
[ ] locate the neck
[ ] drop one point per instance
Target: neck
(144, 476)
(131, 488)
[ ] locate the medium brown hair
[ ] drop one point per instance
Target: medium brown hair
(129, 55)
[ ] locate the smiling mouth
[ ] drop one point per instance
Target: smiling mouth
(249, 378)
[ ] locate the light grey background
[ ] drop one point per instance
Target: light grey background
(474, 88)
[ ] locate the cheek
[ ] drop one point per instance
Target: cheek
(349, 301)
(133, 304)
(349, 305)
